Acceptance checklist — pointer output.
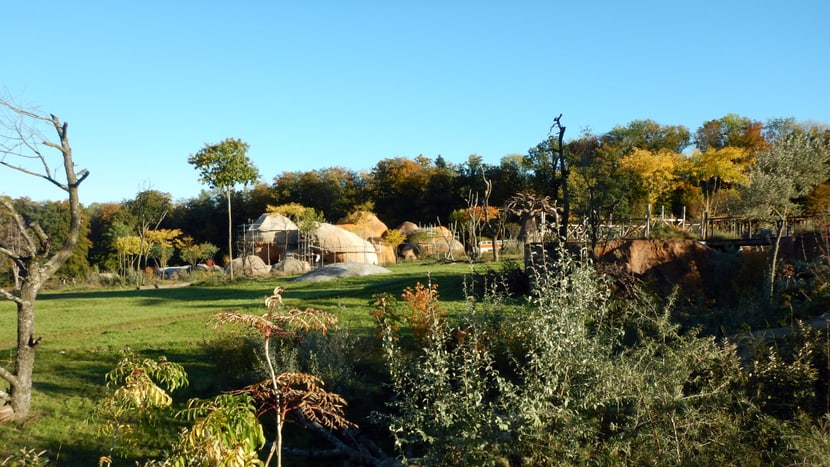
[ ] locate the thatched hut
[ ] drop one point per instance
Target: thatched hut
(271, 236)
(367, 226)
(429, 241)
(338, 245)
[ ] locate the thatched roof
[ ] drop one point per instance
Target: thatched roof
(346, 245)
(408, 228)
(271, 225)
(367, 226)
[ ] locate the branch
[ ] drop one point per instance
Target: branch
(358, 454)
(28, 172)
(30, 138)
(30, 246)
(22, 111)
(8, 376)
(9, 296)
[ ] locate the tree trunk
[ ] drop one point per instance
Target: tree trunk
(21, 387)
(495, 238)
(230, 234)
(774, 263)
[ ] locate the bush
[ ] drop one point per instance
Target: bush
(580, 377)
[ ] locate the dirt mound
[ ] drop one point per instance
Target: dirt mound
(668, 262)
(671, 257)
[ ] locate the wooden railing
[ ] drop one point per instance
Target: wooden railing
(725, 228)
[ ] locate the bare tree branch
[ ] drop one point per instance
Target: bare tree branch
(33, 254)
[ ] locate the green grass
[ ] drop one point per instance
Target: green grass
(84, 332)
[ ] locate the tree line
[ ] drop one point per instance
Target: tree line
(729, 166)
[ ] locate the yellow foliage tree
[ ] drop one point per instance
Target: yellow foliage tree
(653, 173)
(716, 170)
(160, 244)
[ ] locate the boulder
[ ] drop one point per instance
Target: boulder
(253, 266)
(292, 266)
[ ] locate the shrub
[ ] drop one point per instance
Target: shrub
(591, 380)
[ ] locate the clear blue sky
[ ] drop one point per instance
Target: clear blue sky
(316, 84)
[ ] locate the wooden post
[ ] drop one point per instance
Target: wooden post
(704, 228)
(648, 221)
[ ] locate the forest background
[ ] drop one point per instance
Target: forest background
(619, 174)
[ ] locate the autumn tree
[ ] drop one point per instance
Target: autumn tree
(162, 245)
(26, 150)
(147, 211)
(715, 170)
(653, 172)
(222, 166)
(731, 130)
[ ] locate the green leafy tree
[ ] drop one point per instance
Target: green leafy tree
(104, 227)
(192, 253)
(792, 167)
(55, 219)
(223, 166)
(396, 185)
(24, 149)
(334, 190)
(599, 191)
(647, 134)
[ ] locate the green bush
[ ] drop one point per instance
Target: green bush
(590, 379)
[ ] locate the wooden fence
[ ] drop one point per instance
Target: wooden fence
(722, 228)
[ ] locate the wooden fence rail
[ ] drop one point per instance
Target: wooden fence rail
(732, 228)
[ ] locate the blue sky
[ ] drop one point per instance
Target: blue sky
(318, 84)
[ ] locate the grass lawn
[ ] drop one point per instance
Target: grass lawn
(84, 332)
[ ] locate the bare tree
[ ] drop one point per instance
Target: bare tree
(561, 164)
(22, 149)
(530, 207)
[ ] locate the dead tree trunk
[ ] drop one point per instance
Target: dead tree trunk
(561, 165)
